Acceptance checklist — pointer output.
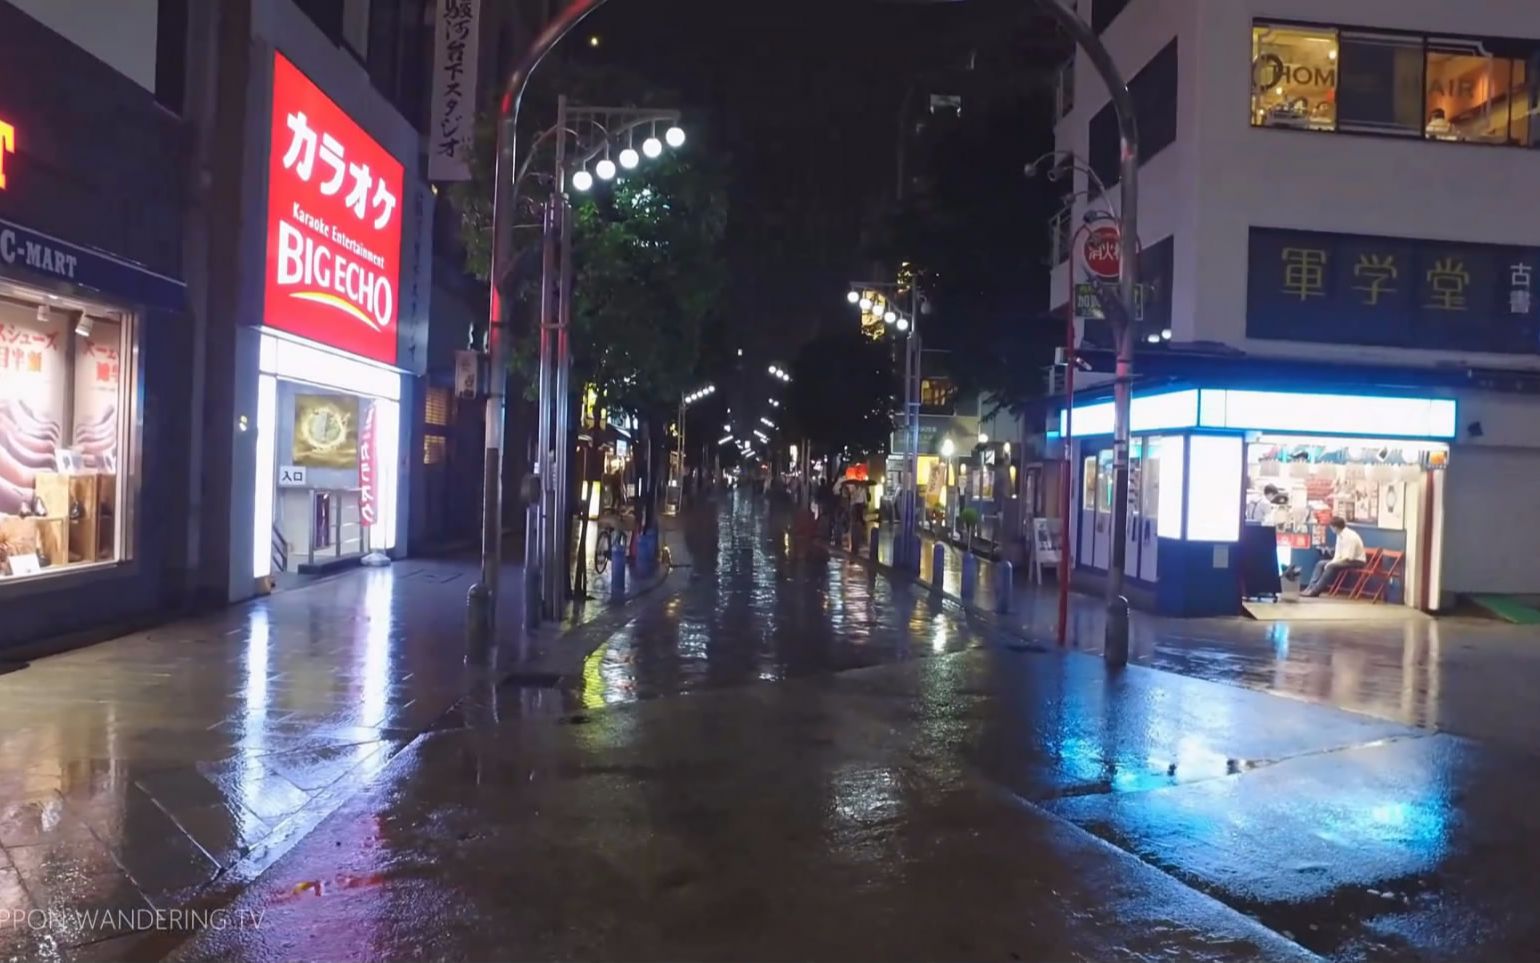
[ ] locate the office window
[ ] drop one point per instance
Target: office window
(937, 393)
(1153, 90)
(1294, 77)
(436, 407)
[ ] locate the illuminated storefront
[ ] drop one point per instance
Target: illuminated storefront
(93, 337)
(329, 392)
(1206, 462)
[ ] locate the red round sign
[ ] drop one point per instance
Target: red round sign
(1103, 252)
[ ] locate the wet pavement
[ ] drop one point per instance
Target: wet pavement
(953, 793)
(164, 768)
(768, 757)
(1468, 676)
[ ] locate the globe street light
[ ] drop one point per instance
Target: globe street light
(605, 169)
(902, 324)
(674, 136)
(582, 180)
(865, 304)
(629, 158)
(652, 147)
(890, 316)
(854, 297)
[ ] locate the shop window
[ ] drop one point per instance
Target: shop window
(1088, 484)
(1475, 97)
(65, 378)
(1294, 72)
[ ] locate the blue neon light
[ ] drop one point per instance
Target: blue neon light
(1291, 411)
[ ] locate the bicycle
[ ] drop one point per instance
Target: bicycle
(609, 536)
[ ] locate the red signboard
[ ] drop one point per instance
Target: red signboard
(368, 470)
(333, 224)
(1103, 253)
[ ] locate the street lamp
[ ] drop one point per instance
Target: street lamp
(865, 304)
(605, 169)
(983, 438)
(889, 317)
(674, 136)
(629, 158)
(652, 147)
(854, 297)
(902, 324)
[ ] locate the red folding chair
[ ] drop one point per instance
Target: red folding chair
(1346, 580)
(1385, 570)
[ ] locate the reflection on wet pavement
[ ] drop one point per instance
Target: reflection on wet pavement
(757, 612)
(1468, 676)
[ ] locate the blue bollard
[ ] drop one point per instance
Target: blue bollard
(617, 570)
(970, 575)
(937, 566)
(1005, 585)
(871, 545)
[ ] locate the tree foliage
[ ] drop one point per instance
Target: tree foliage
(842, 394)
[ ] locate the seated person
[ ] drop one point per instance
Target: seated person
(1349, 554)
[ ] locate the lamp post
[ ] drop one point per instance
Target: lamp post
(877, 300)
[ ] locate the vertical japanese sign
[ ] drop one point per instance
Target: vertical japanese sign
(452, 134)
(333, 224)
(368, 470)
(1401, 292)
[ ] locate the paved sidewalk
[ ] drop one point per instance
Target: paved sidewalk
(1469, 676)
(160, 768)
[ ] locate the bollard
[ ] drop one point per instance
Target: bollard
(1005, 584)
(970, 575)
(1115, 650)
(871, 546)
(937, 566)
(617, 570)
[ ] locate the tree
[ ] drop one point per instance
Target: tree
(842, 394)
(647, 269)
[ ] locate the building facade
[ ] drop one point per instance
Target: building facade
(1328, 218)
(94, 335)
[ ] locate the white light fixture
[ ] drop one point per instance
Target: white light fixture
(629, 158)
(865, 303)
(605, 169)
(983, 438)
(674, 136)
(890, 316)
(948, 448)
(903, 324)
(652, 147)
(766, 422)
(582, 181)
(854, 297)
(1152, 338)
(1165, 334)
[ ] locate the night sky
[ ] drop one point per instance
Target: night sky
(804, 96)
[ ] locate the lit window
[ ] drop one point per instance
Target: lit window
(1294, 77)
(66, 388)
(1474, 96)
(433, 449)
(436, 409)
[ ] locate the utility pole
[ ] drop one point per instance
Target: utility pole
(1115, 646)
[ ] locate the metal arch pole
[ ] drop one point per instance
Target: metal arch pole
(1115, 649)
(481, 601)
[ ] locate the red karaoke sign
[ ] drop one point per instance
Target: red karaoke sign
(333, 224)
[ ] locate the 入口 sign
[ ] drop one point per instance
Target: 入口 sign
(292, 476)
(333, 224)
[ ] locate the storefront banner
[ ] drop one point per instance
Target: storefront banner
(452, 134)
(33, 386)
(334, 224)
(48, 257)
(368, 474)
(1398, 292)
